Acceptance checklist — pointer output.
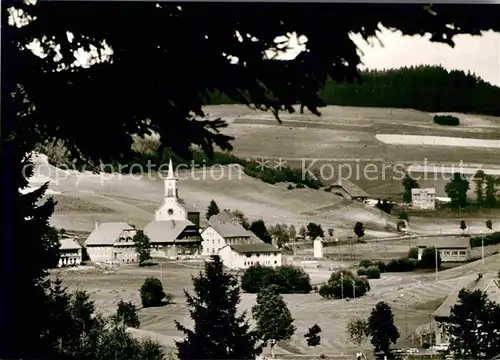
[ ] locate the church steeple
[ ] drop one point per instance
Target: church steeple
(171, 190)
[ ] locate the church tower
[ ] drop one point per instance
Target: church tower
(171, 184)
(171, 209)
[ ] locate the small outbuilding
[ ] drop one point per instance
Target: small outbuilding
(451, 248)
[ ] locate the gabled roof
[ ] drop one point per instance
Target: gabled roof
(445, 242)
(188, 207)
(69, 244)
(471, 283)
(350, 188)
(107, 233)
(168, 231)
(226, 225)
(319, 238)
(254, 248)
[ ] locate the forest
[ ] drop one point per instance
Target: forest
(426, 88)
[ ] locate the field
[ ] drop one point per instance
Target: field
(421, 292)
(343, 140)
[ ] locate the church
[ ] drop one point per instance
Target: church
(174, 232)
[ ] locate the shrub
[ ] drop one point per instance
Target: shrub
(290, 187)
(289, 279)
(401, 265)
(152, 293)
(413, 253)
(492, 239)
(446, 120)
(373, 272)
(381, 266)
(428, 260)
(426, 345)
(148, 263)
(300, 186)
(365, 263)
(368, 263)
(344, 283)
(404, 216)
(127, 314)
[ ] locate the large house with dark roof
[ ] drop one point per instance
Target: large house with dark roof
(224, 229)
(243, 256)
(488, 283)
(112, 241)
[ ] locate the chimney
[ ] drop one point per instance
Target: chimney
(173, 223)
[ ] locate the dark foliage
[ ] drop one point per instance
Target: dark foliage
(372, 272)
(368, 263)
(413, 253)
(314, 230)
(312, 336)
(218, 332)
(457, 189)
(258, 227)
(126, 313)
(384, 205)
(344, 283)
(446, 120)
(213, 209)
(492, 239)
(401, 265)
(408, 183)
(152, 293)
(381, 328)
(428, 260)
(404, 216)
(142, 246)
(359, 230)
(287, 278)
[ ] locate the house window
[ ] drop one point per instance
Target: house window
(463, 253)
(248, 255)
(446, 253)
(454, 253)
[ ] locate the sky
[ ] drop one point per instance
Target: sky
(479, 54)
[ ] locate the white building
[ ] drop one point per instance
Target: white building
(112, 241)
(174, 231)
(318, 247)
(224, 229)
(423, 199)
(243, 256)
(70, 252)
(173, 208)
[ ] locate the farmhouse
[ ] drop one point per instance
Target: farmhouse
(348, 190)
(451, 249)
(174, 208)
(242, 256)
(224, 229)
(112, 241)
(70, 252)
(173, 238)
(174, 231)
(487, 283)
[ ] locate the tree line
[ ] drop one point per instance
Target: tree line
(427, 88)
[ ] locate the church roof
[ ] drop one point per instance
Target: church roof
(226, 225)
(167, 230)
(107, 233)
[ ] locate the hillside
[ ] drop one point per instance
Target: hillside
(426, 88)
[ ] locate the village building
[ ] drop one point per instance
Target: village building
(174, 231)
(451, 249)
(224, 229)
(112, 241)
(488, 283)
(70, 252)
(348, 190)
(243, 256)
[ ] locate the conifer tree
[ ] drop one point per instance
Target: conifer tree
(479, 180)
(218, 333)
(142, 246)
(274, 320)
(213, 209)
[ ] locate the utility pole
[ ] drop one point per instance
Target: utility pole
(436, 261)
(482, 249)
(161, 272)
(354, 289)
(342, 285)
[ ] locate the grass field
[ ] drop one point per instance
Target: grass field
(342, 138)
(421, 292)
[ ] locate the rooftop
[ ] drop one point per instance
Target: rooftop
(472, 283)
(107, 233)
(445, 242)
(351, 188)
(69, 244)
(227, 226)
(254, 248)
(167, 231)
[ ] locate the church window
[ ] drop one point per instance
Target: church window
(170, 211)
